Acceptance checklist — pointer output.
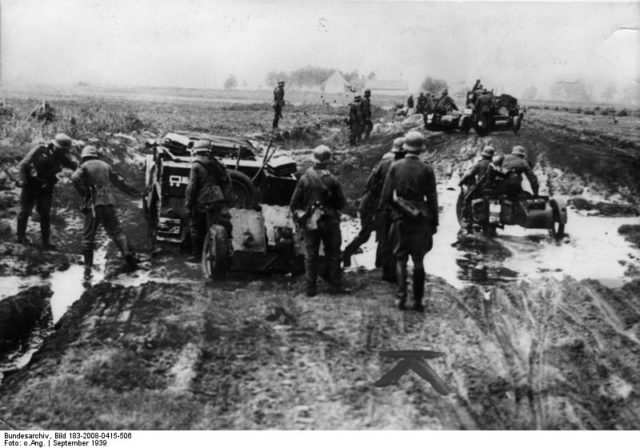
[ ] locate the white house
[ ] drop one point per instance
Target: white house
(335, 84)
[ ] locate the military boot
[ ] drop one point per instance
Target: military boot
(88, 263)
(21, 231)
(130, 262)
(45, 230)
(418, 290)
(401, 279)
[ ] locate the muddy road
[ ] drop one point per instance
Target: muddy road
(536, 333)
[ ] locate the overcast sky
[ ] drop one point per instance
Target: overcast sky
(197, 43)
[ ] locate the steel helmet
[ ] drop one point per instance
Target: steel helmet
(357, 98)
(280, 83)
(397, 145)
(519, 151)
(322, 153)
(488, 151)
(89, 151)
(445, 91)
(201, 147)
(414, 142)
(367, 92)
(62, 141)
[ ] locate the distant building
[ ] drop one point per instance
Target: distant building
(336, 84)
(387, 87)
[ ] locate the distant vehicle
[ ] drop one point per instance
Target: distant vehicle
(263, 230)
(454, 120)
(531, 212)
(505, 114)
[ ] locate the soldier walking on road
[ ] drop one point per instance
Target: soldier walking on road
(37, 174)
(410, 191)
(278, 103)
(316, 204)
(206, 197)
(355, 121)
(372, 219)
(93, 180)
(367, 124)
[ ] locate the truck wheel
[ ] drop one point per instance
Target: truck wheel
(216, 259)
(153, 215)
(243, 193)
(557, 223)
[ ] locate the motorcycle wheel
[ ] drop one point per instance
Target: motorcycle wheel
(216, 259)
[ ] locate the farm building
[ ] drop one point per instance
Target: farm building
(389, 87)
(336, 84)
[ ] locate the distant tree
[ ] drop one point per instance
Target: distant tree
(274, 76)
(310, 76)
(433, 85)
(231, 82)
(570, 91)
(531, 93)
(609, 93)
(371, 75)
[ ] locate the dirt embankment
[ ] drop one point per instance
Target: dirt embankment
(547, 354)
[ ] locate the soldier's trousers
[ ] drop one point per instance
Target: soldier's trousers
(41, 198)
(367, 127)
(367, 225)
(277, 115)
(106, 216)
(328, 232)
(411, 238)
(200, 222)
(354, 133)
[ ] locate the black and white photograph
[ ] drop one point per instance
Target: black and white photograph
(318, 216)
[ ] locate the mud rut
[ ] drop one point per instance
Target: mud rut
(520, 354)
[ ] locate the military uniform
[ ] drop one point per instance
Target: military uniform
(278, 104)
(445, 104)
(484, 103)
(355, 122)
(93, 180)
(411, 180)
(205, 199)
(421, 103)
(38, 175)
(480, 172)
(367, 124)
(514, 166)
(319, 192)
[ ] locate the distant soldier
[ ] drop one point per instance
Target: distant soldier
(355, 121)
(445, 103)
(483, 105)
(316, 204)
(421, 103)
(93, 180)
(365, 106)
(479, 176)
(474, 93)
(43, 113)
(410, 191)
(373, 220)
(513, 166)
(206, 197)
(37, 174)
(410, 102)
(278, 103)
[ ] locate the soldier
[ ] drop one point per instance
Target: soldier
(483, 105)
(373, 220)
(421, 103)
(278, 103)
(355, 121)
(445, 103)
(37, 174)
(316, 204)
(206, 197)
(410, 102)
(478, 175)
(514, 165)
(410, 191)
(365, 106)
(93, 180)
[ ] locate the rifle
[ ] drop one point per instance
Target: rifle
(265, 160)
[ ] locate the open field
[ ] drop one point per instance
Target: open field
(536, 334)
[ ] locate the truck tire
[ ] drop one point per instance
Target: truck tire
(216, 255)
(243, 193)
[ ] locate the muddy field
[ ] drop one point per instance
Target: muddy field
(537, 334)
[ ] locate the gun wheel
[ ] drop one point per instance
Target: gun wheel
(216, 259)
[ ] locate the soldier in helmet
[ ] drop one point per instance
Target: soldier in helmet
(410, 191)
(355, 120)
(37, 173)
(365, 106)
(513, 166)
(316, 204)
(206, 197)
(93, 180)
(445, 103)
(421, 103)
(278, 103)
(479, 176)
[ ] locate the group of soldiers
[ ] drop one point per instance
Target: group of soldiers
(359, 120)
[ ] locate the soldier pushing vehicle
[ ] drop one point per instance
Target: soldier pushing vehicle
(514, 165)
(93, 180)
(37, 176)
(316, 204)
(410, 191)
(478, 176)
